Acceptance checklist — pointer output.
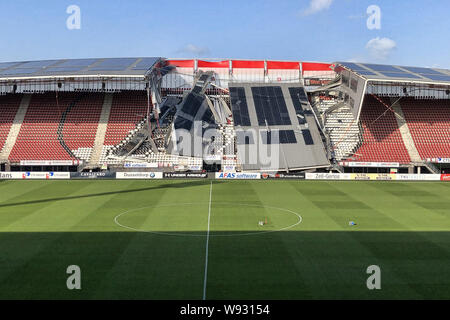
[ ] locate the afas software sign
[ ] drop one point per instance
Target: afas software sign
(238, 175)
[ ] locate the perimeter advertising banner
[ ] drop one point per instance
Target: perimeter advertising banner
(139, 175)
(184, 175)
(34, 175)
(50, 163)
(373, 176)
(238, 175)
(140, 165)
(92, 175)
(376, 177)
(298, 176)
(371, 164)
(328, 176)
(418, 177)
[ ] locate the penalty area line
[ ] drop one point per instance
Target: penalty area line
(205, 279)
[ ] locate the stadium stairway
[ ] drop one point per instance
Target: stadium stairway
(101, 131)
(405, 132)
(15, 127)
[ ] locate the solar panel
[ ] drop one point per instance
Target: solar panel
(437, 77)
(208, 116)
(84, 66)
(307, 137)
(382, 68)
(78, 63)
(19, 71)
(192, 104)
(244, 137)
(400, 75)
(6, 65)
(38, 64)
(239, 106)
(145, 64)
(197, 89)
(284, 137)
(361, 70)
(353, 66)
(63, 69)
(114, 64)
(181, 123)
(270, 106)
(366, 73)
(298, 95)
(109, 68)
(422, 70)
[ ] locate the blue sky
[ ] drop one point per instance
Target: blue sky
(412, 32)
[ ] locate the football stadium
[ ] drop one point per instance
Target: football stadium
(94, 176)
(215, 179)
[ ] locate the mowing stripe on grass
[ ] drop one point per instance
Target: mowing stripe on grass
(207, 244)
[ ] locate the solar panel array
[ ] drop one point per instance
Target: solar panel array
(192, 104)
(270, 106)
(298, 97)
(125, 66)
(284, 137)
(278, 116)
(307, 137)
(181, 123)
(377, 71)
(239, 106)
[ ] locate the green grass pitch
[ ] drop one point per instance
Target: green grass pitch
(147, 239)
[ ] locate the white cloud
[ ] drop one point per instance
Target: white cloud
(381, 48)
(193, 49)
(317, 5)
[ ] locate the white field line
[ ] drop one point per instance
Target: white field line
(177, 234)
(205, 280)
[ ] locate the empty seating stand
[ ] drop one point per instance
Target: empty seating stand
(9, 105)
(381, 138)
(57, 125)
(429, 124)
(128, 108)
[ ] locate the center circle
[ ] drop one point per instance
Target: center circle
(227, 219)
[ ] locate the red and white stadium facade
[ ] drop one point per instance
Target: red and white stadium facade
(227, 71)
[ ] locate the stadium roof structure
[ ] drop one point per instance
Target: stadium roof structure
(377, 72)
(109, 67)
